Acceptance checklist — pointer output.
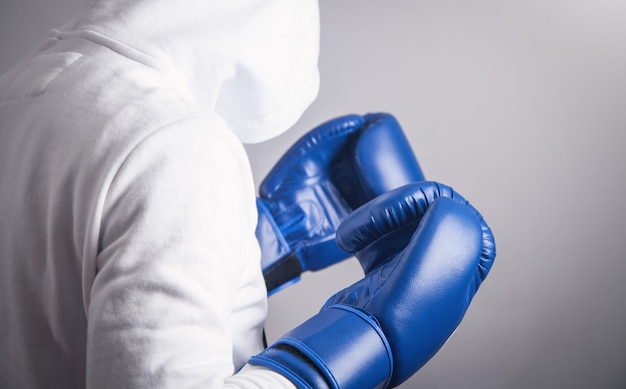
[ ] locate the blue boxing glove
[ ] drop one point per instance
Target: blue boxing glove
(425, 251)
(327, 173)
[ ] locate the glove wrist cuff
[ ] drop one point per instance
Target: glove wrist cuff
(281, 267)
(340, 347)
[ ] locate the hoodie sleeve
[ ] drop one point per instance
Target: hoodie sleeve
(175, 265)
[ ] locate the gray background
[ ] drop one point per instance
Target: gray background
(520, 106)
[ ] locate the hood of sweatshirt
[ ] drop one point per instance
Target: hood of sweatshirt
(251, 62)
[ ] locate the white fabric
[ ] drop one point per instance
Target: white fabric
(127, 213)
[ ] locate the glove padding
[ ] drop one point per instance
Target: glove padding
(327, 173)
(382, 329)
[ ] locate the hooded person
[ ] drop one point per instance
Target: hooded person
(128, 256)
(128, 251)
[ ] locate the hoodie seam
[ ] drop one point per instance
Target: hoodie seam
(149, 135)
(112, 44)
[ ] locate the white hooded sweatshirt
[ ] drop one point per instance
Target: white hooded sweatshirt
(127, 250)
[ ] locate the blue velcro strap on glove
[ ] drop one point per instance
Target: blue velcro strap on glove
(341, 347)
